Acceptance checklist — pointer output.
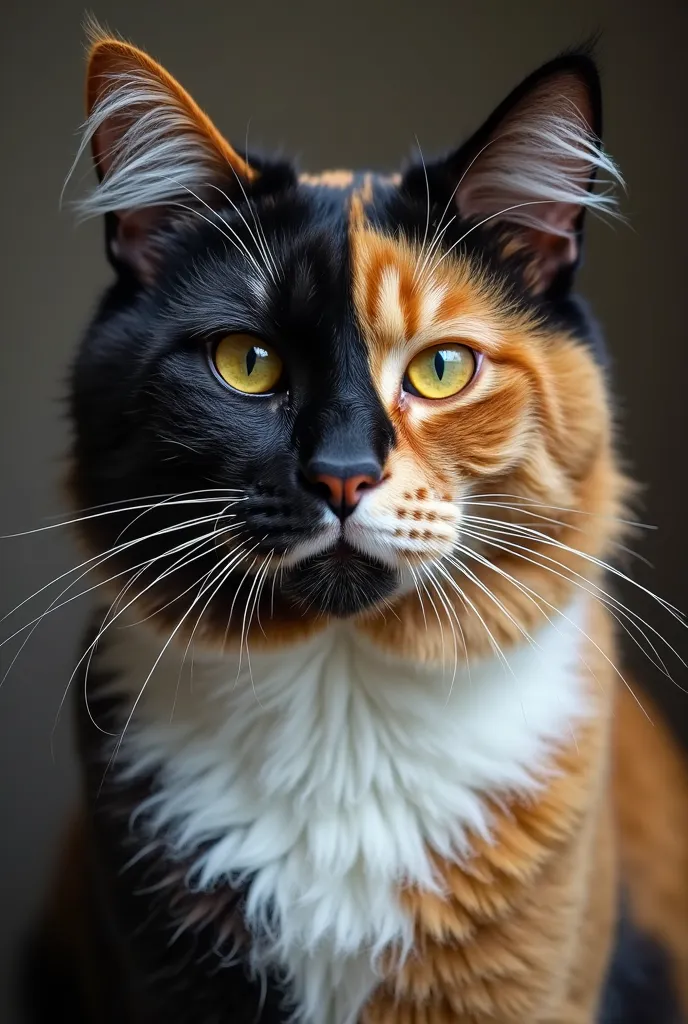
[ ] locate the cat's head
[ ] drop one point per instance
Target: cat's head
(314, 395)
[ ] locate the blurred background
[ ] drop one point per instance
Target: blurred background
(335, 84)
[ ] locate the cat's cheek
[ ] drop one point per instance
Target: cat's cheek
(413, 516)
(486, 437)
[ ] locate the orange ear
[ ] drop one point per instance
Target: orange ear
(140, 92)
(153, 147)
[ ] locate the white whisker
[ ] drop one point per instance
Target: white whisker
(533, 534)
(111, 512)
(236, 237)
(206, 585)
(99, 560)
(495, 646)
(614, 606)
(427, 212)
(606, 657)
(183, 562)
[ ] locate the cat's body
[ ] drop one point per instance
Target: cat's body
(130, 939)
(356, 748)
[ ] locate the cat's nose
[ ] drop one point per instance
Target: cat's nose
(342, 485)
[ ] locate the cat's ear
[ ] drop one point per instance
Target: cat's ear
(153, 148)
(533, 165)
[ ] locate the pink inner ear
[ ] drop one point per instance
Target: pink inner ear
(536, 173)
(550, 252)
(560, 217)
(105, 143)
(133, 243)
(537, 167)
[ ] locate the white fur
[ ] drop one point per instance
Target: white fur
(161, 157)
(322, 776)
(546, 156)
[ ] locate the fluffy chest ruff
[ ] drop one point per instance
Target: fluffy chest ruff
(326, 778)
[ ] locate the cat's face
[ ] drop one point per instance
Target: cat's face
(332, 369)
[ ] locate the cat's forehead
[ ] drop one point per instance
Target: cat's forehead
(366, 184)
(401, 286)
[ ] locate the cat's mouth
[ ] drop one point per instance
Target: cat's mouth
(340, 581)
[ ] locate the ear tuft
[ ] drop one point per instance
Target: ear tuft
(151, 143)
(545, 155)
(535, 165)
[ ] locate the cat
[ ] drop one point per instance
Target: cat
(355, 746)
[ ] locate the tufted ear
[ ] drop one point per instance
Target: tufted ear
(152, 145)
(534, 163)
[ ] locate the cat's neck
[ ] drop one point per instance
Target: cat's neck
(338, 698)
(329, 773)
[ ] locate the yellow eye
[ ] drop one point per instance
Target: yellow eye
(248, 364)
(441, 371)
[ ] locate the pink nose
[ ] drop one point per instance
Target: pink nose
(344, 493)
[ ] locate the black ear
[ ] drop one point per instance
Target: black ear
(533, 166)
(152, 146)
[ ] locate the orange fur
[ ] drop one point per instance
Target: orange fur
(109, 57)
(524, 928)
(650, 786)
(330, 179)
(534, 424)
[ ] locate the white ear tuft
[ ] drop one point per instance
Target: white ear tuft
(539, 166)
(150, 162)
(151, 143)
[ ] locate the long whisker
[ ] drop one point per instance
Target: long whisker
(531, 533)
(615, 607)
(239, 555)
(507, 209)
(112, 512)
(166, 502)
(420, 596)
(520, 500)
(259, 234)
(147, 498)
(427, 213)
(236, 240)
(211, 539)
(114, 606)
(497, 649)
(255, 234)
(560, 524)
(579, 629)
(247, 254)
(531, 595)
(183, 562)
(486, 535)
(260, 592)
(220, 570)
(437, 238)
(236, 595)
(451, 614)
(279, 569)
(447, 606)
(488, 593)
(246, 628)
(434, 606)
(99, 560)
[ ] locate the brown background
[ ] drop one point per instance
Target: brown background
(335, 83)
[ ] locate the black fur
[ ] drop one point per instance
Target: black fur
(152, 418)
(639, 988)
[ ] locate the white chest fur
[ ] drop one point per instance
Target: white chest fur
(322, 776)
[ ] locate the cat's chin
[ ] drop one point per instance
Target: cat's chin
(339, 582)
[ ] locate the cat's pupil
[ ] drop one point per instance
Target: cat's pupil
(439, 365)
(251, 358)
